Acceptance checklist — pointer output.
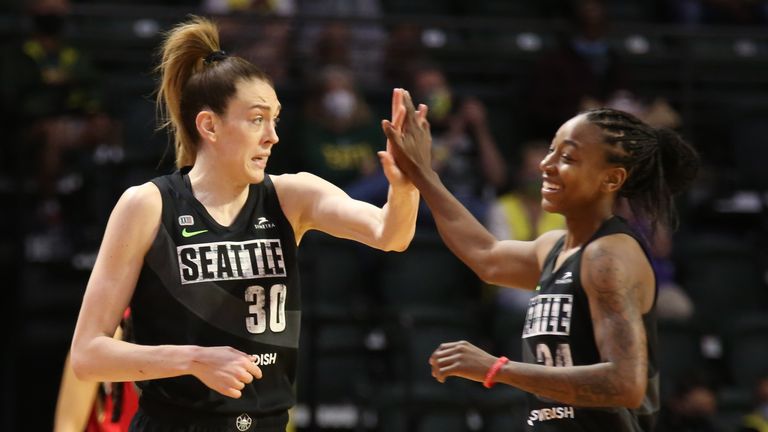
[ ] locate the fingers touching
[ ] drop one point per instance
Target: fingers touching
(422, 115)
(398, 109)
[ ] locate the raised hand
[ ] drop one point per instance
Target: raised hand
(391, 170)
(410, 144)
(398, 112)
(225, 370)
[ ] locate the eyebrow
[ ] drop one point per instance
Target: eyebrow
(572, 142)
(265, 107)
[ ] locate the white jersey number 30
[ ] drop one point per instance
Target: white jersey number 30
(256, 322)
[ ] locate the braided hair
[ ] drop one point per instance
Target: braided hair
(659, 163)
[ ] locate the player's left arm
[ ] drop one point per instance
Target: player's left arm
(310, 202)
(618, 282)
(612, 275)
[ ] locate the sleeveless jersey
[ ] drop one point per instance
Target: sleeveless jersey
(210, 285)
(558, 332)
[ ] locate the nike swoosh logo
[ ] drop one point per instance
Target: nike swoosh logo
(187, 234)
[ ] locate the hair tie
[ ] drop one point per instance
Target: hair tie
(215, 56)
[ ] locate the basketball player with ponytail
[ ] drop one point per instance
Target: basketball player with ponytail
(206, 256)
(589, 339)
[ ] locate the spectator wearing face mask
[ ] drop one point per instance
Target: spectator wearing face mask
(340, 136)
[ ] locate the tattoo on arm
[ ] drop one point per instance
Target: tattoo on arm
(619, 335)
(598, 391)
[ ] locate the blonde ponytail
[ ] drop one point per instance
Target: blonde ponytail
(183, 50)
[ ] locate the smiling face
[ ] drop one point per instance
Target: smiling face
(576, 174)
(246, 132)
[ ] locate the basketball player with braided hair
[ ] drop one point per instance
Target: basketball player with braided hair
(206, 256)
(589, 339)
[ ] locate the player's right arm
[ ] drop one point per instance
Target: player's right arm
(506, 262)
(96, 355)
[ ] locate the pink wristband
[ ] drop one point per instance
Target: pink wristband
(501, 361)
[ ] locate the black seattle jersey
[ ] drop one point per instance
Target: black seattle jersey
(558, 332)
(209, 285)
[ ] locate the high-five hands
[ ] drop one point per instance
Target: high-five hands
(391, 170)
(408, 136)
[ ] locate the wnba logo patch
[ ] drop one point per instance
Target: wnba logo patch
(243, 422)
(186, 220)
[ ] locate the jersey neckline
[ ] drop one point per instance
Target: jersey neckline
(239, 221)
(561, 243)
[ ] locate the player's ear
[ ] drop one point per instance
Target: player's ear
(613, 179)
(206, 125)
